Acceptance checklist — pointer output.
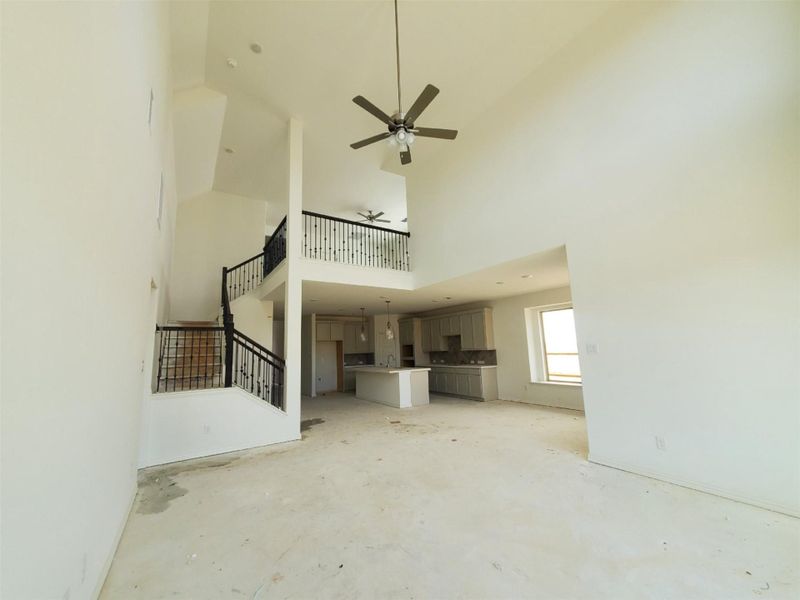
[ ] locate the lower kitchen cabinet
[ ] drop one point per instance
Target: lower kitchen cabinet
(470, 382)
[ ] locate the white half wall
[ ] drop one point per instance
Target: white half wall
(85, 266)
(184, 425)
(213, 230)
(662, 148)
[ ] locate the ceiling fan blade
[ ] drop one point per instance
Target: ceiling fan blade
(421, 103)
(405, 157)
(380, 214)
(382, 221)
(370, 140)
(360, 214)
(444, 134)
(373, 110)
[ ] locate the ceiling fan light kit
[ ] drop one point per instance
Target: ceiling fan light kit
(402, 129)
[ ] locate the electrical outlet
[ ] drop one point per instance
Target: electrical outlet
(592, 349)
(206, 429)
(661, 444)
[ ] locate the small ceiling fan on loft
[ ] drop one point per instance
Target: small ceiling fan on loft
(401, 126)
(373, 218)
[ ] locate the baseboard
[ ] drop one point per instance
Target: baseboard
(120, 530)
(694, 485)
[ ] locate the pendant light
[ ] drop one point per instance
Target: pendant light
(363, 329)
(389, 332)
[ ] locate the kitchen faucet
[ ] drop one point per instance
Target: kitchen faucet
(390, 359)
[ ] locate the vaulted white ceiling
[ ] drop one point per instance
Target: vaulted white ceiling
(317, 55)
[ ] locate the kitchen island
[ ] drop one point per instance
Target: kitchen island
(399, 387)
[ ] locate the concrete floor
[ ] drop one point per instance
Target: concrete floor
(458, 499)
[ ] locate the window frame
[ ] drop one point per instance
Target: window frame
(544, 353)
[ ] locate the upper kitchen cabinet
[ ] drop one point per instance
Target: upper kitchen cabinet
(477, 330)
(330, 331)
(353, 344)
(406, 332)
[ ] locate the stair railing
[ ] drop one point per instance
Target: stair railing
(343, 241)
(248, 364)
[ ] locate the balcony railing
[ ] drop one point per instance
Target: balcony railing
(348, 242)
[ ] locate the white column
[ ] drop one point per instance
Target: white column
(294, 284)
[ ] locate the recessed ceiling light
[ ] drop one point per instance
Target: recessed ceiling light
(527, 276)
(434, 301)
(499, 282)
(313, 299)
(232, 63)
(448, 298)
(230, 150)
(256, 48)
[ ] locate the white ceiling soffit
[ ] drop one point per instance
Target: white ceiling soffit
(540, 271)
(317, 55)
(189, 28)
(198, 115)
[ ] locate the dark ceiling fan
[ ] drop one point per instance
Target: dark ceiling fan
(373, 218)
(402, 126)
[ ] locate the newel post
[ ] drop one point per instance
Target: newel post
(227, 323)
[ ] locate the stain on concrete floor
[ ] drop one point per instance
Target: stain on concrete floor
(157, 486)
(309, 423)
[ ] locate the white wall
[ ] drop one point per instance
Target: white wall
(81, 244)
(253, 317)
(661, 147)
(186, 425)
(213, 230)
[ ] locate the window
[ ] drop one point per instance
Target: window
(560, 346)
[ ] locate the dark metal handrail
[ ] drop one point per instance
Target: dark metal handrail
(268, 354)
(343, 241)
(248, 364)
(341, 220)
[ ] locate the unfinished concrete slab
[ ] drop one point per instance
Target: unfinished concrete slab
(457, 499)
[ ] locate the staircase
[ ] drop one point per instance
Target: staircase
(199, 355)
(190, 356)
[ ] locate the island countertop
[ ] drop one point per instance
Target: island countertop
(388, 370)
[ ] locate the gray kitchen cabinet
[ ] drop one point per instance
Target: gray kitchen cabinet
(455, 324)
(444, 326)
(467, 336)
(477, 330)
(426, 336)
(330, 331)
(349, 380)
(474, 386)
(350, 345)
(462, 384)
(406, 332)
(451, 383)
(465, 381)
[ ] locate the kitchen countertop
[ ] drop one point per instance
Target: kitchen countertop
(461, 366)
(357, 366)
(388, 370)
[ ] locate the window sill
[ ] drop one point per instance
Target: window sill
(558, 383)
